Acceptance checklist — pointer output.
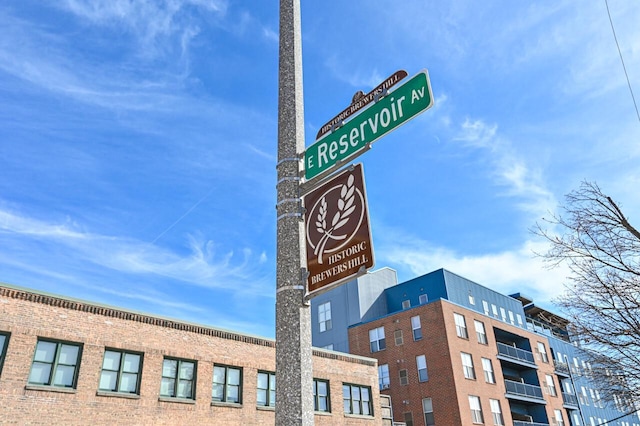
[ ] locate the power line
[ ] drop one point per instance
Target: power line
(606, 2)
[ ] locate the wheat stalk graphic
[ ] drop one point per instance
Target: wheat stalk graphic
(340, 218)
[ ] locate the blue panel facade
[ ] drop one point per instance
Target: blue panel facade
(432, 285)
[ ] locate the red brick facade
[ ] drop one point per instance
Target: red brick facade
(446, 385)
(29, 316)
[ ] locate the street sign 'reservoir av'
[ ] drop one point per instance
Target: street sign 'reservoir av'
(337, 231)
(347, 142)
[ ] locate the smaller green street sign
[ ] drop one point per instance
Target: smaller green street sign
(350, 140)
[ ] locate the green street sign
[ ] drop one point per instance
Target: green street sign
(350, 140)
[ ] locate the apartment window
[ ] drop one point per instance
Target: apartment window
(485, 306)
(519, 318)
(423, 299)
(421, 363)
(487, 367)
(511, 318)
(4, 342)
(376, 338)
(404, 378)
(481, 334)
(397, 336)
(496, 412)
(329, 346)
(321, 401)
(542, 350)
(476, 409)
(551, 386)
(266, 389)
(576, 419)
(383, 376)
(120, 372)
(461, 326)
(324, 316)
(598, 401)
(467, 366)
(55, 364)
(503, 314)
(178, 378)
(357, 400)
(494, 309)
(427, 408)
(227, 384)
(416, 328)
(584, 398)
(408, 418)
(472, 300)
(558, 416)
(406, 304)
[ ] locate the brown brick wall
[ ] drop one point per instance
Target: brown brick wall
(28, 316)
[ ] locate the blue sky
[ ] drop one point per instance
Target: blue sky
(138, 141)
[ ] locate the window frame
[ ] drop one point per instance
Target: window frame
(481, 335)
(55, 364)
(403, 377)
(477, 417)
(423, 298)
(498, 417)
(324, 317)
(380, 341)
(469, 370)
(461, 325)
(317, 398)
(382, 383)
(406, 304)
(176, 379)
(422, 368)
(428, 420)
(398, 337)
(551, 385)
(360, 402)
(544, 356)
(489, 374)
(416, 331)
(269, 391)
(226, 385)
(120, 371)
(4, 347)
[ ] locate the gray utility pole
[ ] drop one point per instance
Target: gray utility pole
(294, 398)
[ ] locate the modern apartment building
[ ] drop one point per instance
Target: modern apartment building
(65, 361)
(453, 352)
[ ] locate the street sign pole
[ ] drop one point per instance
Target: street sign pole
(294, 397)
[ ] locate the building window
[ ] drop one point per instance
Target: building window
(383, 376)
(357, 400)
(266, 389)
(496, 412)
(481, 334)
(543, 352)
(328, 347)
(427, 409)
(376, 338)
(416, 328)
(423, 299)
(551, 386)
(461, 326)
(576, 419)
(120, 372)
(558, 416)
(519, 318)
(178, 378)
(324, 316)
(511, 319)
(503, 313)
(404, 378)
(227, 384)
(406, 304)
(476, 409)
(584, 399)
(485, 306)
(421, 363)
(489, 375)
(397, 336)
(467, 366)
(4, 342)
(494, 309)
(321, 400)
(55, 364)
(408, 418)
(472, 300)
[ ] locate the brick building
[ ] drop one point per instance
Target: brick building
(64, 361)
(453, 352)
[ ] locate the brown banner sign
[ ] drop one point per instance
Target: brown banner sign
(337, 231)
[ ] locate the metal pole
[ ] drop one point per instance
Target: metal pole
(294, 398)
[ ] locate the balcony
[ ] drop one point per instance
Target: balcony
(524, 392)
(562, 369)
(520, 423)
(570, 400)
(520, 356)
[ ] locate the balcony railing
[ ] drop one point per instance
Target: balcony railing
(523, 389)
(521, 423)
(570, 399)
(516, 353)
(562, 368)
